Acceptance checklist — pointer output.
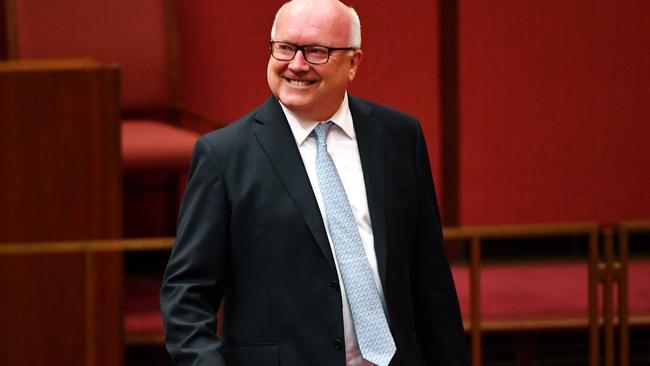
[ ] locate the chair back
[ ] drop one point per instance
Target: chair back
(138, 35)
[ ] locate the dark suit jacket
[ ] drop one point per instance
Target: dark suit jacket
(250, 233)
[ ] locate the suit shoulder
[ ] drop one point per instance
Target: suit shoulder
(232, 132)
(232, 137)
(384, 113)
(393, 120)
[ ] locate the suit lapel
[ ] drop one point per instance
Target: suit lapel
(370, 139)
(274, 135)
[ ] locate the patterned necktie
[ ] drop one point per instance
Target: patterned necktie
(374, 337)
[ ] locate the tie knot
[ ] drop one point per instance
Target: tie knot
(320, 132)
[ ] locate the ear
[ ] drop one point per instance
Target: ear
(355, 60)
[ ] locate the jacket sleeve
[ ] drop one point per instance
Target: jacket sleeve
(437, 313)
(194, 278)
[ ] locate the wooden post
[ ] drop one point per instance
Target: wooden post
(594, 318)
(608, 297)
(475, 296)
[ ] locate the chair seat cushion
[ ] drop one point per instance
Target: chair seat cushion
(149, 145)
(142, 306)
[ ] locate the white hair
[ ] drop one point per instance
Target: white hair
(355, 26)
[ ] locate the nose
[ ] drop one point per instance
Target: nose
(299, 63)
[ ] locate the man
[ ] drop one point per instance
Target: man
(314, 219)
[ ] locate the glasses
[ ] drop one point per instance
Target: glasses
(317, 55)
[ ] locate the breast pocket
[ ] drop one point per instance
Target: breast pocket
(251, 355)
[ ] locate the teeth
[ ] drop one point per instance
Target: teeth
(300, 82)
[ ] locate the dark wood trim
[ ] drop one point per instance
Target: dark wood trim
(594, 317)
(11, 29)
(145, 338)
(178, 108)
(90, 310)
(475, 301)
(449, 115)
(4, 35)
(173, 51)
(623, 306)
(518, 231)
(110, 245)
(608, 296)
(625, 320)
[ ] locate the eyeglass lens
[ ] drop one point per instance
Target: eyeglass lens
(287, 51)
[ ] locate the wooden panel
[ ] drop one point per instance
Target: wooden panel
(81, 285)
(59, 151)
(61, 308)
(41, 321)
(105, 309)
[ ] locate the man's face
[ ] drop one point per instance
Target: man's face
(313, 91)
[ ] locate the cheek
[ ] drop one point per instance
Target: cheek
(272, 74)
(342, 78)
(274, 67)
(338, 75)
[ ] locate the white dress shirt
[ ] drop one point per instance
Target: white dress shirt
(342, 146)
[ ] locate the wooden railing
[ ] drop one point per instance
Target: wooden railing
(607, 261)
(476, 236)
(66, 298)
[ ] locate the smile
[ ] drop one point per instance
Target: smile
(300, 82)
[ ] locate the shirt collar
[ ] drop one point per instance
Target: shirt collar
(302, 128)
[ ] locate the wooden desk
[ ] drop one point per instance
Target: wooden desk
(59, 151)
(60, 180)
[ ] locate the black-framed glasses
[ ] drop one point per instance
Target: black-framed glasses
(317, 55)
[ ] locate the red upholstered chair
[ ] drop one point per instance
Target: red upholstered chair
(139, 36)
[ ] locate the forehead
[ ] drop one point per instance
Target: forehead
(329, 27)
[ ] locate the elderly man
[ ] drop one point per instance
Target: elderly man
(314, 219)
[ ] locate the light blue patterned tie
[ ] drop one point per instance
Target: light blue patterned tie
(374, 337)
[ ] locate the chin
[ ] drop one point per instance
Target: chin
(294, 102)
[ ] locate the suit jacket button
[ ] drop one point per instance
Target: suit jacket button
(338, 344)
(335, 285)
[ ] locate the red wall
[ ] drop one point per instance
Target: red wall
(224, 48)
(554, 110)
